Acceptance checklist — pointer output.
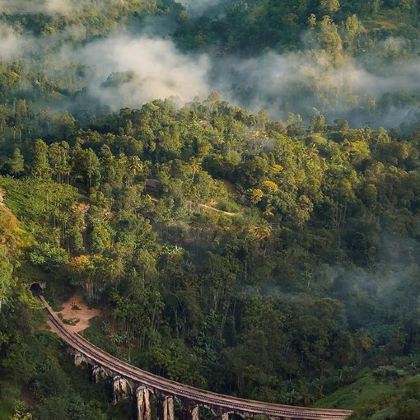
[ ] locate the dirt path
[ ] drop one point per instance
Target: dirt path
(76, 314)
(153, 185)
(206, 207)
(203, 206)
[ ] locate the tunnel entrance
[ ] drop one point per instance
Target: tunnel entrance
(36, 289)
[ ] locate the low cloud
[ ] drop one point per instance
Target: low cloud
(12, 44)
(123, 70)
(130, 72)
(199, 7)
(37, 6)
(391, 287)
(300, 82)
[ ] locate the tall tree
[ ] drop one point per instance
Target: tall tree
(16, 164)
(59, 159)
(40, 165)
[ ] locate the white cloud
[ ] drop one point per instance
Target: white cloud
(128, 71)
(298, 82)
(11, 43)
(198, 7)
(132, 71)
(37, 6)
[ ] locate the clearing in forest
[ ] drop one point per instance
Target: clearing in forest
(76, 314)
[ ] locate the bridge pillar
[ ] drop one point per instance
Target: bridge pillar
(191, 412)
(98, 374)
(143, 409)
(166, 409)
(121, 389)
(79, 359)
(223, 416)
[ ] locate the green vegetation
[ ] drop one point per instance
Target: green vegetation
(373, 396)
(279, 25)
(265, 258)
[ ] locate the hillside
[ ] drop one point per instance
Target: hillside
(233, 186)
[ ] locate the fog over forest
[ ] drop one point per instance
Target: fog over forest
(126, 69)
(231, 188)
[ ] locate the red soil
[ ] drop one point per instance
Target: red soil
(75, 311)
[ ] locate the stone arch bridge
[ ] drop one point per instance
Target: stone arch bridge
(131, 382)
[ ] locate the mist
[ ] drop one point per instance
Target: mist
(200, 7)
(127, 70)
(37, 6)
(10, 42)
(304, 82)
(391, 285)
(132, 70)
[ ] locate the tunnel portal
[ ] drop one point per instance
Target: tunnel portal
(37, 289)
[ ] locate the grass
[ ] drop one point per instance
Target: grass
(31, 200)
(356, 395)
(378, 399)
(228, 205)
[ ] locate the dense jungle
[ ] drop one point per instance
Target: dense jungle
(233, 184)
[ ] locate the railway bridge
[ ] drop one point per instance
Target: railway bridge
(131, 382)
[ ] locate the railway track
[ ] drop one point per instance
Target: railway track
(223, 403)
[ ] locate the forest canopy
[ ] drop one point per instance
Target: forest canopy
(234, 184)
